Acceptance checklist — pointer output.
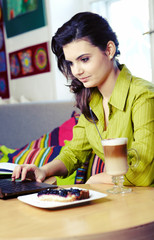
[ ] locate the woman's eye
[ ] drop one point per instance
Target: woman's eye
(85, 59)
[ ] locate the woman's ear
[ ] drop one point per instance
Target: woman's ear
(110, 49)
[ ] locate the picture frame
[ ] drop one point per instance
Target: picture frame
(23, 22)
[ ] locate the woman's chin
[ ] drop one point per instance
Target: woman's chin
(88, 85)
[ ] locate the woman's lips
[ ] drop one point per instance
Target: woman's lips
(84, 79)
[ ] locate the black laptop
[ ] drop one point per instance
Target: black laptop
(9, 189)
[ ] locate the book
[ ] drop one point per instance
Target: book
(7, 168)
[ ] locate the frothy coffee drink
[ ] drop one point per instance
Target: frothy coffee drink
(115, 152)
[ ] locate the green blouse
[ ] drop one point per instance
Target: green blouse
(131, 115)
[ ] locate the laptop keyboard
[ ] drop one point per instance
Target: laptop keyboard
(18, 187)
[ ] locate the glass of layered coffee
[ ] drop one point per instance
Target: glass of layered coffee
(116, 164)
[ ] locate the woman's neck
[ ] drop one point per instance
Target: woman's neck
(107, 87)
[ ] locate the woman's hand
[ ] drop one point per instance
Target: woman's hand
(100, 178)
(29, 171)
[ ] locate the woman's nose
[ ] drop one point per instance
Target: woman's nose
(77, 70)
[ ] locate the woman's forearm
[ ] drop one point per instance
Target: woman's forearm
(100, 178)
(55, 168)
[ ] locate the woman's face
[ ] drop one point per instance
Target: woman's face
(88, 63)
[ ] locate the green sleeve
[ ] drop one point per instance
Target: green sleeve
(76, 151)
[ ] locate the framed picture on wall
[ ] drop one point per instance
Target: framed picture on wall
(21, 16)
(4, 85)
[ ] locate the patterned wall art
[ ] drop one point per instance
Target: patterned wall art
(29, 61)
(21, 16)
(4, 87)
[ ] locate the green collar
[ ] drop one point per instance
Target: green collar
(119, 94)
(120, 91)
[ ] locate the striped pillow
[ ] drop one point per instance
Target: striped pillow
(97, 165)
(47, 147)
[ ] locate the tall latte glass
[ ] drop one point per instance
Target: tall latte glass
(116, 165)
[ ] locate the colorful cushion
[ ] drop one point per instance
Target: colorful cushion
(97, 165)
(47, 147)
(37, 156)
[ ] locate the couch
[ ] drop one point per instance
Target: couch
(24, 122)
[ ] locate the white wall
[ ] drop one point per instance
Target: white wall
(151, 8)
(60, 12)
(51, 85)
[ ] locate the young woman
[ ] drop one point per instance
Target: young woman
(106, 93)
